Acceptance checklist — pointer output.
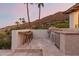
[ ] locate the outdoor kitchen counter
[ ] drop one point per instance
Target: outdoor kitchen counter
(67, 41)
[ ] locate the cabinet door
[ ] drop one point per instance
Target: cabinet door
(57, 40)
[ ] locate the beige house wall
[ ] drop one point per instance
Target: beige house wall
(73, 20)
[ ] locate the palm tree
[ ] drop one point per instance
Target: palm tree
(27, 5)
(39, 6)
(17, 23)
(23, 21)
(20, 19)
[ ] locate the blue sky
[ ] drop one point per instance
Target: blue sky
(10, 12)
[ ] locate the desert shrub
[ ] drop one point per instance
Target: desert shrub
(64, 24)
(5, 44)
(5, 40)
(2, 34)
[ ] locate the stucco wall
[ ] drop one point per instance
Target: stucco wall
(62, 43)
(15, 39)
(72, 45)
(37, 34)
(69, 44)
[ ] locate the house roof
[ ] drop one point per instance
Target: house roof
(72, 9)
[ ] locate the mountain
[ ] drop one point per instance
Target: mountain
(59, 16)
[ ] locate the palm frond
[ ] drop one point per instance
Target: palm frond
(40, 4)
